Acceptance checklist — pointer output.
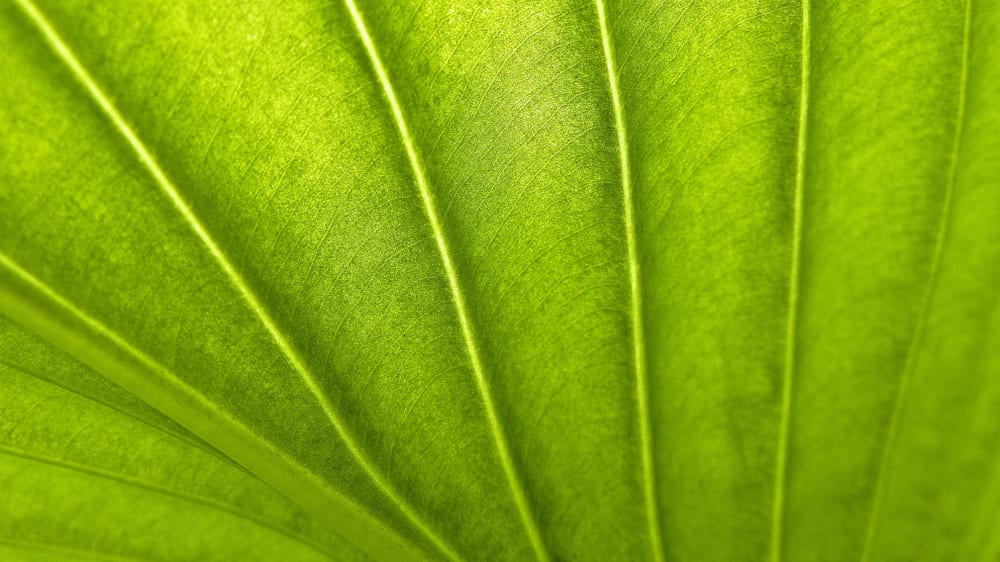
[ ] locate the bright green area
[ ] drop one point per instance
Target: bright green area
(80, 477)
(597, 280)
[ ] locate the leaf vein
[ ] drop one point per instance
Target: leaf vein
(187, 405)
(635, 292)
(457, 296)
(235, 278)
(791, 326)
(155, 488)
(920, 328)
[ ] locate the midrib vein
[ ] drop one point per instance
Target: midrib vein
(164, 491)
(165, 388)
(794, 274)
(257, 307)
(457, 295)
(635, 294)
(920, 328)
(188, 439)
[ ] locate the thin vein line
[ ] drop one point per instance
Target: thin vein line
(62, 551)
(180, 392)
(919, 329)
(258, 308)
(164, 491)
(503, 448)
(187, 438)
(635, 295)
(791, 326)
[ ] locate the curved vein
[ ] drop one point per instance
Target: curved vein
(161, 388)
(187, 438)
(919, 329)
(458, 298)
(791, 326)
(255, 304)
(65, 551)
(635, 294)
(164, 491)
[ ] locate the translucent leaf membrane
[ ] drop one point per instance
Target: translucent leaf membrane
(553, 280)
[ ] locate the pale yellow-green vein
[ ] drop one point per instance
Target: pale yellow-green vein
(457, 295)
(794, 274)
(69, 328)
(186, 497)
(256, 305)
(635, 293)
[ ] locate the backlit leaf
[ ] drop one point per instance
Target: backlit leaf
(602, 280)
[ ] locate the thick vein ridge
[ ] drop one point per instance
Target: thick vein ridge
(258, 308)
(164, 491)
(188, 439)
(920, 328)
(791, 325)
(191, 408)
(458, 298)
(635, 294)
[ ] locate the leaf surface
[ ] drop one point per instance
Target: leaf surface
(74, 470)
(550, 280)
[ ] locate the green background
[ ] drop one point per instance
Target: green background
(615, 280)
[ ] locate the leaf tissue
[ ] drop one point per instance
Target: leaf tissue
(492, 280)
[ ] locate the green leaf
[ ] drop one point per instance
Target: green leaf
(606, 280)
(75, 471)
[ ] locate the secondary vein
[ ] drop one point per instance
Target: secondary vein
(165, 491)
(791, 326)
(187, 438)
(257, 307)
(175, 398)
(635, 294)
(919, 329)
(458, 298)
(65, 551)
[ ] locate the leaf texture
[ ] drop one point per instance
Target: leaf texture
(492, 280)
